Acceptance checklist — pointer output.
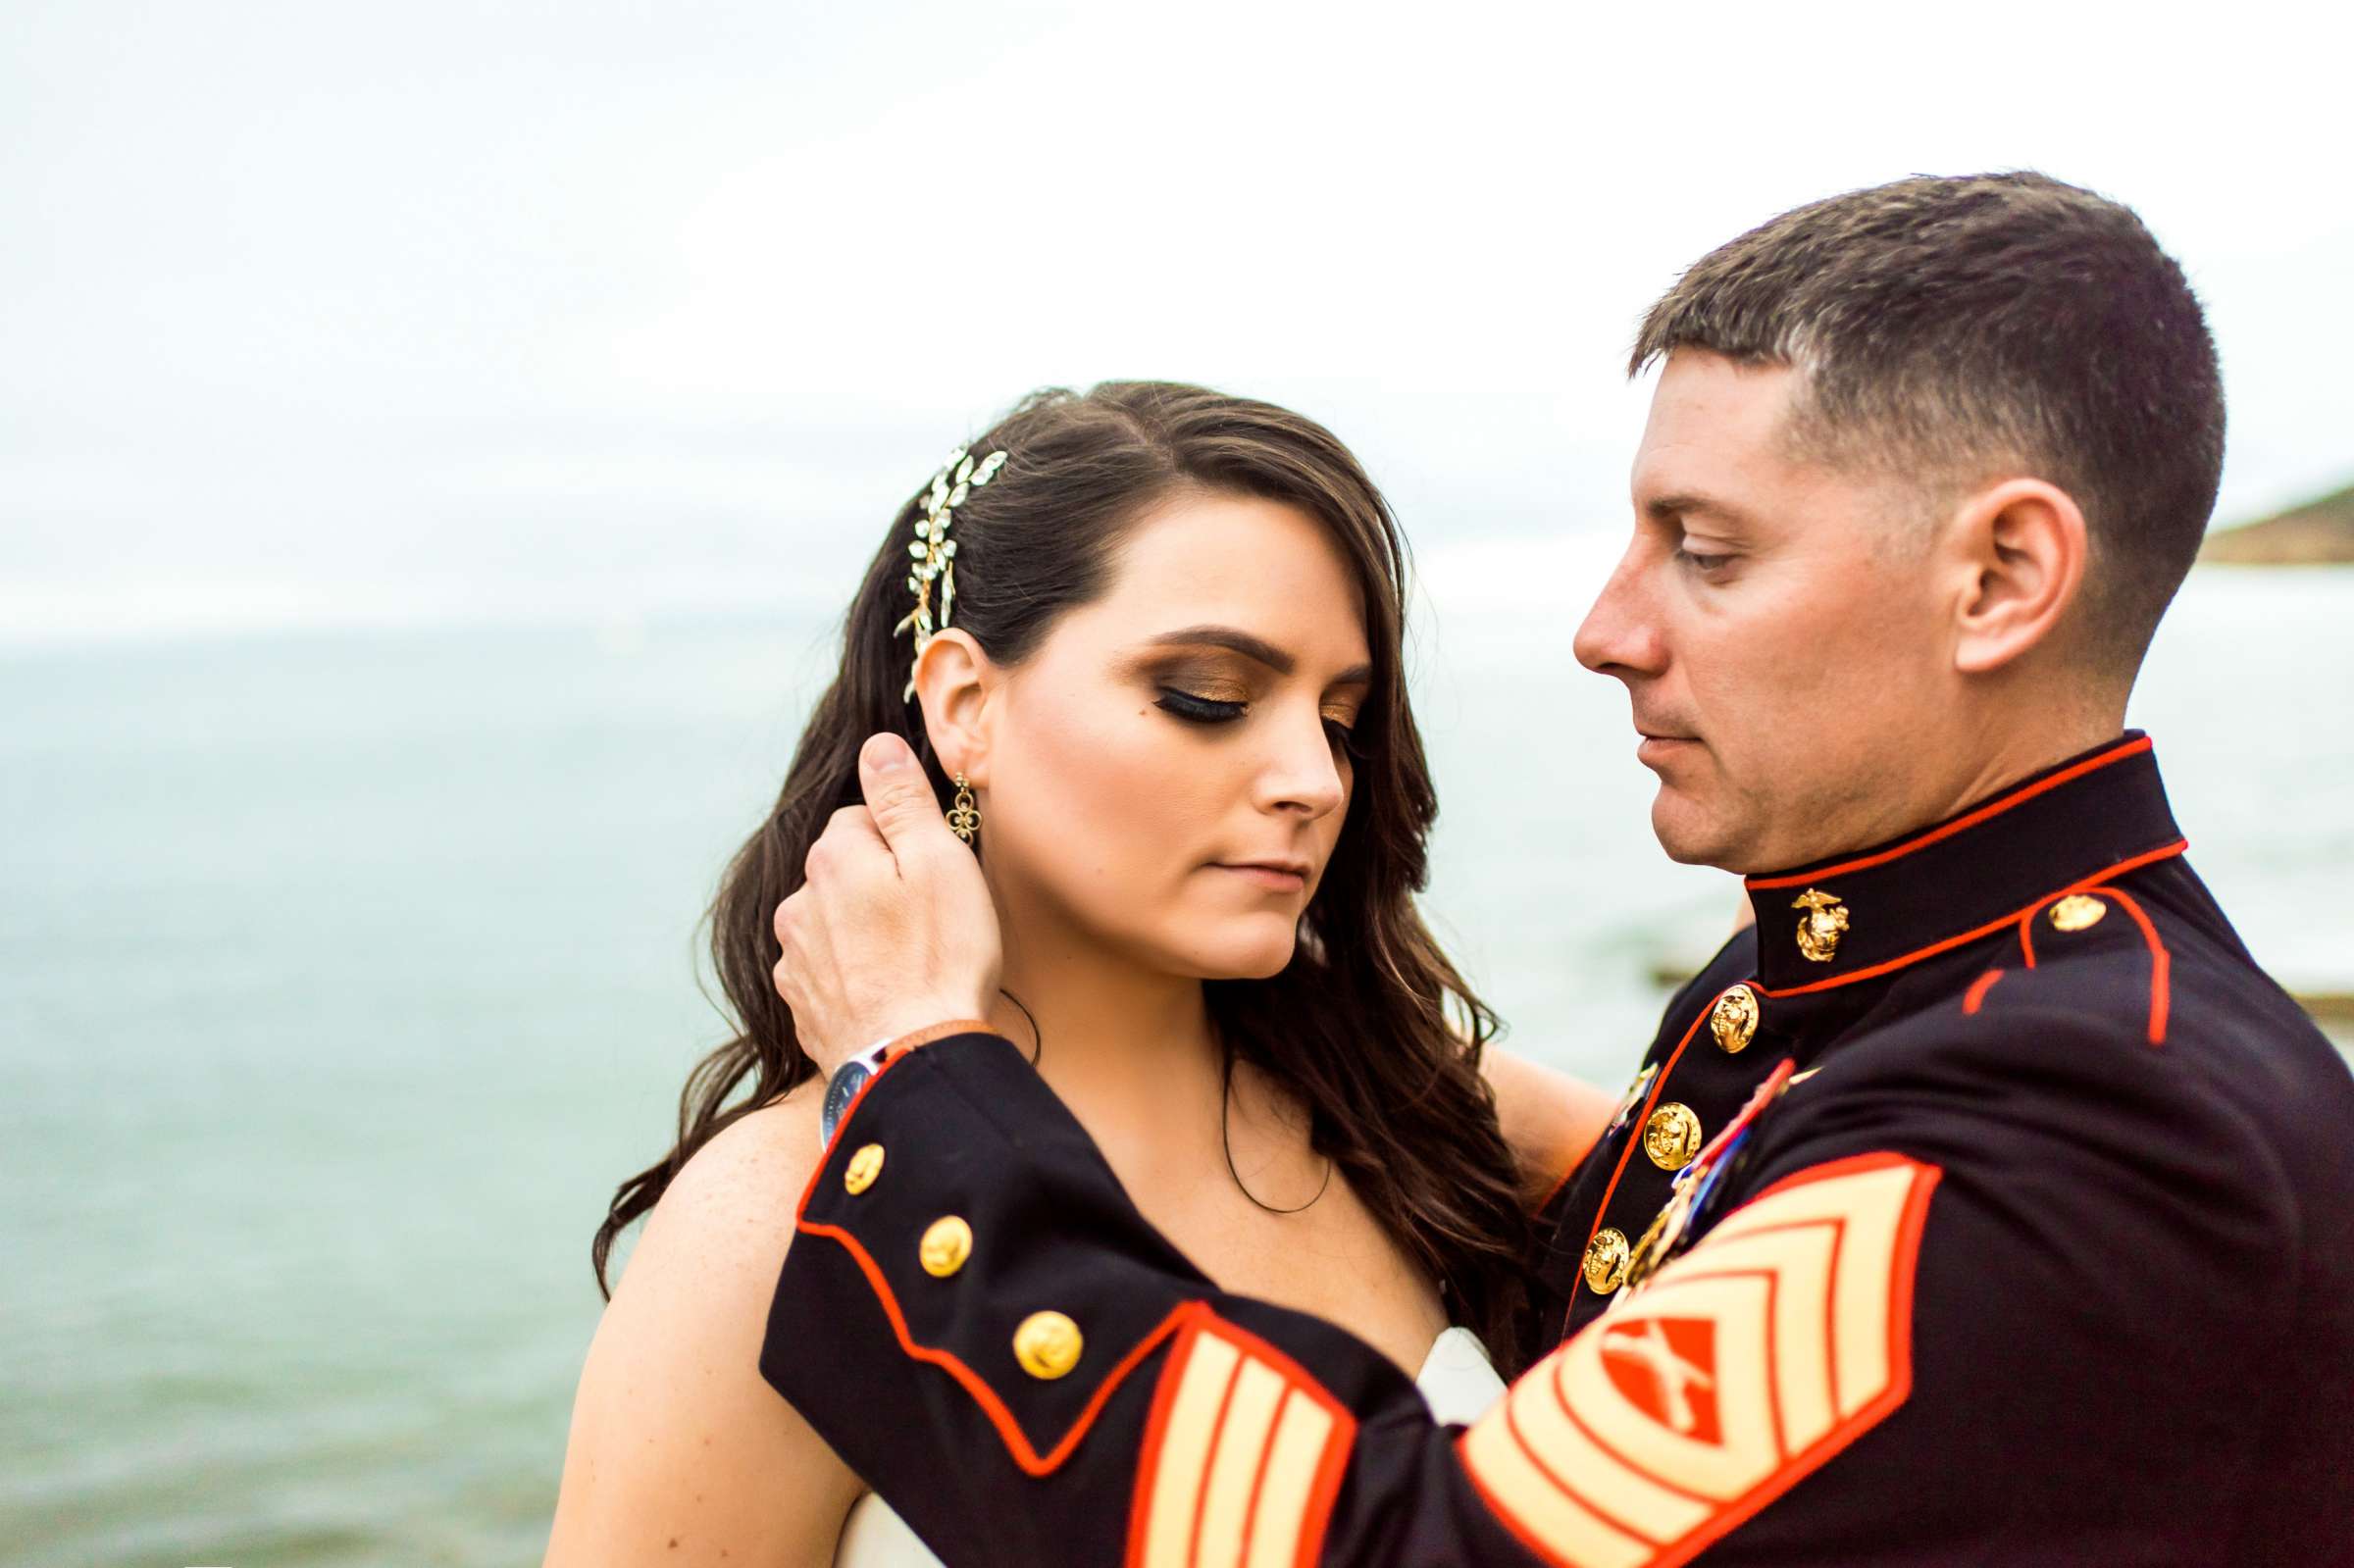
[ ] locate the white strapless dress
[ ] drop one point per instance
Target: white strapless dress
(1457, 1382)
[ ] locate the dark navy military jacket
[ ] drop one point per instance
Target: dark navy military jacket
(1985, 1203)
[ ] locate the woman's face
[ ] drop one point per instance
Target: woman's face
(1167, 773)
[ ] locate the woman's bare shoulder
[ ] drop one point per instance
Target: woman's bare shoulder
(679, 1449)
(1549, 1118)
(755, 1166)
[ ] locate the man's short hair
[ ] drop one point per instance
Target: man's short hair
(1953, 329)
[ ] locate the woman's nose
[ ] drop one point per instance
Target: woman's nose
(1304, 773)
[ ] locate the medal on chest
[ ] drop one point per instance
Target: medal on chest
(1694, 1184)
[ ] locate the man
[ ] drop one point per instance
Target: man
(1982, 1202)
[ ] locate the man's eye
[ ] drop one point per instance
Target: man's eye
(1198, 710)
(1700, 562)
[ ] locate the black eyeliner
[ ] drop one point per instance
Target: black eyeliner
(1198, 710)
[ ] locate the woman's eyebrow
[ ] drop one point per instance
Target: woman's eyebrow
(1255, 649)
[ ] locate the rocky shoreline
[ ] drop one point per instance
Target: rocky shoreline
(2318, 534)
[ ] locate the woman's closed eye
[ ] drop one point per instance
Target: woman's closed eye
(1194, 708)
(1341, 726)
(1198, 709)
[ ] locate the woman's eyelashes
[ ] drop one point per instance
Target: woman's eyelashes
(1197, 709)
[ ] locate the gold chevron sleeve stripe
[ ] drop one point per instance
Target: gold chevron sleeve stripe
(1539, 1508)
(1184, 1455)
(1735, 1371)
(1287, 1509)
(1242, 1445)
(1577, 1461)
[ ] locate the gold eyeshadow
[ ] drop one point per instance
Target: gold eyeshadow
(1209, 678)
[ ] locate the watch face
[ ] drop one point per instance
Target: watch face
(842, 1088)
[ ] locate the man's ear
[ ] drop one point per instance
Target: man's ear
(2022, 552)
(954, 681)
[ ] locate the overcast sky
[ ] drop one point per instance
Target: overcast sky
(326, 313)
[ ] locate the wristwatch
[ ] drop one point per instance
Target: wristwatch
(843, 1087)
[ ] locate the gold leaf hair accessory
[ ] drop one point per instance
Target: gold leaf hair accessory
(934, 552)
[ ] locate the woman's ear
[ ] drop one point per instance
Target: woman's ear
(954, 681)
(2023, 554)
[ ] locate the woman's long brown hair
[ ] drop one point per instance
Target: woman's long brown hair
(1371, 1026)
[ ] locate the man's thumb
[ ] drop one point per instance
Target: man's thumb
(897, 792)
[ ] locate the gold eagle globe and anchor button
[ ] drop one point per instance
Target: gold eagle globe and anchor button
(864, 1167)
(1048, 1345)
(2077, 912)
(948, 1241)
(1733, 1020)
(1606, 1261)
(1671, 1136)
(1819, 930)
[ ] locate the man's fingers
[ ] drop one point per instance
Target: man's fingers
(852, 829)
(851, 849)
(897, 793)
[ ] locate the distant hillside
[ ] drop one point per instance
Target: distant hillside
(2311, 535)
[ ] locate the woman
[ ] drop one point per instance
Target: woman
(1151, 656)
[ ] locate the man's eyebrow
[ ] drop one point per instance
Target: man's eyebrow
(1252, 648)
(1688, 503)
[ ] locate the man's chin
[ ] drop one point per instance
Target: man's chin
(1692, 836)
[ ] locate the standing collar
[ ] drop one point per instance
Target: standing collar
(1853, 917)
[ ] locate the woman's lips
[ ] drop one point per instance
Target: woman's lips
(1274, 878)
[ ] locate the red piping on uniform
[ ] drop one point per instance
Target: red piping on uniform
(1196, 1318)
(1209, 1460)
(1560, 1398)
(1502, 1515)
(1528, 1451)
(1900, 1353)
(1018, 1446)
(1337, 1443)
(1155, 1428)
(895, 1054)
(1320, 1496)
(2161, 963)
(1258, 1477)
(1657, 1084)
(825, 1155)
(1796, 1467)
(1978, 987)
(2165, 852)
(1993, 808)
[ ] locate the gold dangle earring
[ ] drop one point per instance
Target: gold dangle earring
(964, 817)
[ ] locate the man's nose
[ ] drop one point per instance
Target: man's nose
(1621, 633)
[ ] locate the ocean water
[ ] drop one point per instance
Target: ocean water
(342, 978)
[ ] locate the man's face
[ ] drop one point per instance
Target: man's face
(1779, 629)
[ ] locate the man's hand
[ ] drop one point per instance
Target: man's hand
(894, 928)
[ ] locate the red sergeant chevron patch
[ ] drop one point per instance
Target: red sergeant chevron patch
(1241, 1458)
(1737, 1369)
